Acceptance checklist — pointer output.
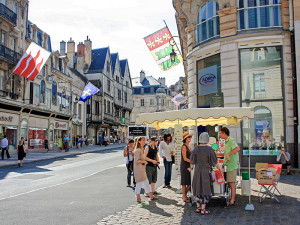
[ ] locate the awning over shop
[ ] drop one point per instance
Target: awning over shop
(195, 116)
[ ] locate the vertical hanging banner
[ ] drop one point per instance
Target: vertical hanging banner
(160, 45)
(32, 61)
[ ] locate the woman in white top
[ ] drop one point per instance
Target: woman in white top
(129, 153)
(166, 150)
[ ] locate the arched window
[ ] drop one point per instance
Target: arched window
(54, 93)
(258, 14)
(207, 21)
(43, 91)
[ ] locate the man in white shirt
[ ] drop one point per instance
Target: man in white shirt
(4, 146)
(166, 150)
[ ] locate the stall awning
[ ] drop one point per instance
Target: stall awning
(195, 116)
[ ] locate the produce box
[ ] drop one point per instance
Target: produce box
(266, 176)
(259, 166)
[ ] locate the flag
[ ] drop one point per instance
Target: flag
(160, 45)
(88, 92)
(32, 61)
(178, 99)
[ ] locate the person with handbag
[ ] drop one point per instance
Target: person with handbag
(166, 151)
(203, 158)
(186, 151)
(21, 153)
(129, 153)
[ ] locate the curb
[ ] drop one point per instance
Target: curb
(57, 157)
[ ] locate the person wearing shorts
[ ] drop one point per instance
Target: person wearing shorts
(151, 153)
(231, 159)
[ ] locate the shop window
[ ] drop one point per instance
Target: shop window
(258, 14)
(54, 93)
(24, 129)
(36, 137)
(43, 91)
(11, 133)
(261, 80)
(207, 21)
(142, 102)
(36, 94)
(209, 79)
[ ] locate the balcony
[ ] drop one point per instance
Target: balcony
(9, 55)
(8, 15)
(207, 29)
(9, 94)
(266, 16)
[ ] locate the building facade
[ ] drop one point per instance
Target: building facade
(150, 95)
(244, 49)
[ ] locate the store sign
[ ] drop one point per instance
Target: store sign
(208, 80)
(36, 142)
(6, 118)
(216, 100)
(61, 126)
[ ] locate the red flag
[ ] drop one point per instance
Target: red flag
(32, 61)
(160, 45)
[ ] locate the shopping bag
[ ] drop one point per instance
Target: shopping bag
(219, 177)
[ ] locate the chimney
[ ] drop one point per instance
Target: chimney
(62, 48)
(71, 52)
(80, 57)
(142, 75)
(87, 53)
(162, 81)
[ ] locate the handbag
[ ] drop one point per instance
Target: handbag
(130, 163)
(173, 159)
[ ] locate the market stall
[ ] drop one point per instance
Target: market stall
(229, 116)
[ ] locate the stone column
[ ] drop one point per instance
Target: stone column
(228, 21)
(285, 18)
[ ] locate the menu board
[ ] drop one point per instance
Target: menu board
(178, 142)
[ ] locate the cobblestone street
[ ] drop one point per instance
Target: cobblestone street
(170, 209)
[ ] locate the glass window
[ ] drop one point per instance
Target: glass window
(43, 91)
(15, 6)
(79, 111)
(125, 97)
(4, 2)
(151, 101)
(54, 93)
(261, 80)
(108, 85)
(36, 95)
(1, 80)
(142, 102)
(108, 106)
(13, 44)
(48, 97)
(3, 37)
(24, 129)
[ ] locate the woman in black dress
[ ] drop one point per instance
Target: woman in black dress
(46, 143)
(185, 165)
(21, 153)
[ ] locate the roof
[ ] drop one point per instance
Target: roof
(98, 60)
(161, 90)
(83, 78)
(148, 81)
(123, 63)
(114, 57)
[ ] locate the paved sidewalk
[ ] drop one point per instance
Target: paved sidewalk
(170, 209)
(53, 154)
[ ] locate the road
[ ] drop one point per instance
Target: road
(79, 189)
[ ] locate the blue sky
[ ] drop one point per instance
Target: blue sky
(120, 24)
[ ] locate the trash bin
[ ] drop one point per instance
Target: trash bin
(245, 175)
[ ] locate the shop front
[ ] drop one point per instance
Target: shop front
(61, 129)
(77, 130)
(9, 124)
(92, 135)
(37, 132)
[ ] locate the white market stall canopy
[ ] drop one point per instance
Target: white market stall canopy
(195, 116)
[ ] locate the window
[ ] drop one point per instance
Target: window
(258, 14)
(88, 109)
(147, 90)
(3, 37)
(108, 85)
(125, 97)
(31, 93)
(40, 38)
(151, 101)
(2, 80)
(142, 102)
(48, 97)
(117, 112)
(36, 96)
(162, 102)
(15, 6)
(119, 94)
(79, 111)
(75, 109)
(108, 68)
(54, 93)
(127, 84)
(13, 44)
(207, 21)
(13, 83)
(43, 91)
(4, 2)
(104, 105)
(108, 107)
(97, 108)
(45, 69)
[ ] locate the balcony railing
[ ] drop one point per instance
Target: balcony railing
(259, 17)
(207, 29)
(9, 54)
(8, 14)
(9, 94)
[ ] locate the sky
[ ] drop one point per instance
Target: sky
(119, 24)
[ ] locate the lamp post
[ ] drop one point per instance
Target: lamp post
(173, 53)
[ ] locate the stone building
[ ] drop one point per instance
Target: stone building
(150, 95)
(244, 48)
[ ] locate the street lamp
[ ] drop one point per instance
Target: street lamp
(173, 53)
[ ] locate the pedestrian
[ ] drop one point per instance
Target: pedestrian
(166, 150)
(105, 140)
(231, 159)
(185, 165)
(129, 153)
(59, 144)
(21, 153)
(4, 146)
(151, 153)
(100, 140)
(76, 141)
(86, 140)
(203, 158)
(46, 142)
(284, 158)
(119, 139)
(140, 170)
(79, 141)
(66, 143)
